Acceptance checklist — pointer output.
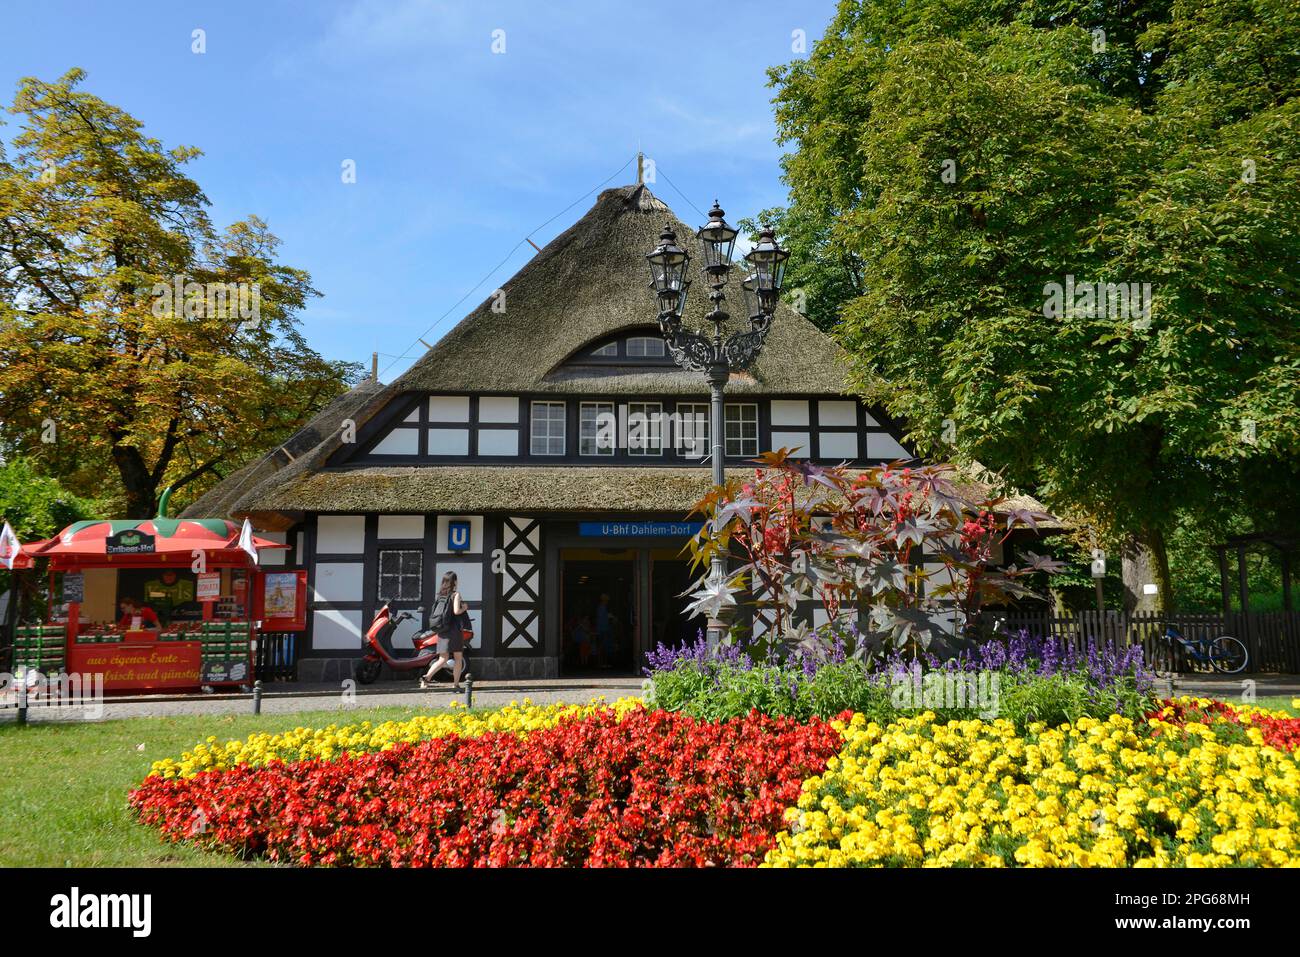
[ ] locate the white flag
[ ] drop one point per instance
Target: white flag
(9, 546)
(246, 540)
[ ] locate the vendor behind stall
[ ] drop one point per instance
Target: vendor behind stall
(136, 616)
(172, 596)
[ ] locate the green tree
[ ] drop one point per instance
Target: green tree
(35, 505)
(140, 346)
(967, 157)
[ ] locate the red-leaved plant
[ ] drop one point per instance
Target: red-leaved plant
(857, 543)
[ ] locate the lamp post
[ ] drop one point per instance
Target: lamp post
(717, 354)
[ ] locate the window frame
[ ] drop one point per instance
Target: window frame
(679, 439)
(655, 422)
(610, 407)
(656, 341)
(549, 421)
(741, 422)
(402, 576)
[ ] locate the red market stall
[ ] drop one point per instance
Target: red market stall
(157, 604)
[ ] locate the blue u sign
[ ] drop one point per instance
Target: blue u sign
(457, 536)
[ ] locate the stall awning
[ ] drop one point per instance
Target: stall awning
(107, 541)
(26, 555)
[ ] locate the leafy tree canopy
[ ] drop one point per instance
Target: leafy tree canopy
(37, 506)
(140, 346)
(959, 165)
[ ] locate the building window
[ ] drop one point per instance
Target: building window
(400, 574)
(645, 428)
(607, 350)
(548, 428)
(741, 429)
(692, 439)
(645, 346)
(597, 428)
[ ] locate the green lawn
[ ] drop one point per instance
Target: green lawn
(63, 786)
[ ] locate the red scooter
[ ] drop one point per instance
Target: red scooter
(378, 644)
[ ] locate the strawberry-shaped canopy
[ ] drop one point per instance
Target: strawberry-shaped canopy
(150, 540)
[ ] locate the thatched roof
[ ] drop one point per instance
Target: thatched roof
(476, 489)
(591, 281)
(588, 283)
(220, 500)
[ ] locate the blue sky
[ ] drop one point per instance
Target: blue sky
(460, 152)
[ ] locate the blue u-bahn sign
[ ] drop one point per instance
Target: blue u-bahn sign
(457, 536)
(639, 529)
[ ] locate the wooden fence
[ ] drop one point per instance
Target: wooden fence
(1272, 638)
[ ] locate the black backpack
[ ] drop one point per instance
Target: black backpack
(438, 617)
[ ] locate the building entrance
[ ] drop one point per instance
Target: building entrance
(617, 604)
(670, 578)
(598, 611)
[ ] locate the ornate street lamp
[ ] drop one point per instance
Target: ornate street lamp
(717, 355)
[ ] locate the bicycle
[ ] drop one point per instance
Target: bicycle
(1225, 654)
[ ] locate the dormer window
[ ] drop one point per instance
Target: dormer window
(637, 348)
(641, 347)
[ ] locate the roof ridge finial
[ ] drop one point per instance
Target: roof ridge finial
(640, 168)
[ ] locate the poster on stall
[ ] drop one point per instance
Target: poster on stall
(209, 586)
(282, 601)
(281, 595)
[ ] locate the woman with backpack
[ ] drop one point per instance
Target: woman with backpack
(448, 620)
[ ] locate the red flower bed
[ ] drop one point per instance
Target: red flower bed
(1280, 733)
(652, 789)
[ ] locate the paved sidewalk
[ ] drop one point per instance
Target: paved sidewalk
(286, 698)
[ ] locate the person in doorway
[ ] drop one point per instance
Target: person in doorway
(136, 616)
(448, 620)
(582, 638)
(604, 632)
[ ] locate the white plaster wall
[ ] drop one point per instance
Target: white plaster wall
(398, 442)
(883, 446)
(336, 629)
(340, 534)
(789, 440)
(789, 412)
(498, 408)
(475, 532)
(401, 526)
(449, 408)
(449, 441)
(837, 412)
(498, 442)
(338, 581)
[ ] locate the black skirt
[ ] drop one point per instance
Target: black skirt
(453, 641)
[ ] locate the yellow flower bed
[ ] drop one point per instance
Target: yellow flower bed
(1096, 793)
(326, 743)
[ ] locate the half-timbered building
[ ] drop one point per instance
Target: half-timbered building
(488, 458)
